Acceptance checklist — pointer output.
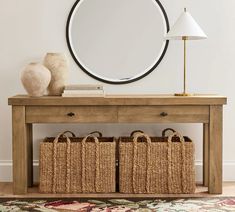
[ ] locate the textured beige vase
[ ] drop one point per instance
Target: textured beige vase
(58, 65)
(35, 78)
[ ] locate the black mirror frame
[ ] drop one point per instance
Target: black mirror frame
(115, 82)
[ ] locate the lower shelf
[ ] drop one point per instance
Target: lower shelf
(201, 191)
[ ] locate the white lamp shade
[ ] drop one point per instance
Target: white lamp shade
(185, 28)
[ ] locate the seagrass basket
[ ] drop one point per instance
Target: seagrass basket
(77, 165)
(161, 165)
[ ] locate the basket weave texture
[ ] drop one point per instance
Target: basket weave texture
(77, 165)
(158, 165)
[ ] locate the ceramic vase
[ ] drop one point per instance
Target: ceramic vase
(35, 78)
(58, 65)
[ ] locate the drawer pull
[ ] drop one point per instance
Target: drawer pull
(71, 114)
(164, 114)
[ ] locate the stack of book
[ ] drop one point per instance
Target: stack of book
(83, 91)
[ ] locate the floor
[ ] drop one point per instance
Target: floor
(6, 192)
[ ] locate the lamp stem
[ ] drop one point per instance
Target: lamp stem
(184, 66)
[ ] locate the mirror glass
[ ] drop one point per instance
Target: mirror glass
(117, 41)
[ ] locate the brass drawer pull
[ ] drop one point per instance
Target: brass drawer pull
(71, 114)
(164, 114)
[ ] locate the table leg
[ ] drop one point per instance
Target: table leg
(215, 149)
(205, 154)
(30, 154)
(19, 145)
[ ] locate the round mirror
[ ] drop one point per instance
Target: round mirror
(117, 41)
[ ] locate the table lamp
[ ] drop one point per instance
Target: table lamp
(185, 28)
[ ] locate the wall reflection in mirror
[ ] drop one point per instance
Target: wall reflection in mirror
(117, 41)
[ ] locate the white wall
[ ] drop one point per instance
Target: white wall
(29, 29)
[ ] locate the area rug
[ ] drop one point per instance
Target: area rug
(121, 205)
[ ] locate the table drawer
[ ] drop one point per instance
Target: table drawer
(164, 114)
(71, 114)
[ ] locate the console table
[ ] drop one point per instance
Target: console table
(206, 109)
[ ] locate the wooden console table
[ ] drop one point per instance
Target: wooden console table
(117, 109)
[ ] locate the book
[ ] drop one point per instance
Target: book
(82, 95)
(83, 92)
(83, 87)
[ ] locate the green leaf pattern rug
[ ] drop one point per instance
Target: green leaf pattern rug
(121, 205)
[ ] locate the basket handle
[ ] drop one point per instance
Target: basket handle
(96, 132)
(70, 132)
(97, 161)
(136, 131)
(182, 141)
(95, 139)
(68, 161)
(177, 134)
(166, 130)
(141, 135)
(63, 134)
(148, 159)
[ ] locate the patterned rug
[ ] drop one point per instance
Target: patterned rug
(121, 205)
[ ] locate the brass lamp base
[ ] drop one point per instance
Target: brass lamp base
(184, 94)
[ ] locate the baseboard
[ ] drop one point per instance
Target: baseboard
(6, 170)
(228, 171)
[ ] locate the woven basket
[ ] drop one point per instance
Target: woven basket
(77, 165)
(156, 165)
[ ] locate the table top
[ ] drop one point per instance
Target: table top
(133, 99)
